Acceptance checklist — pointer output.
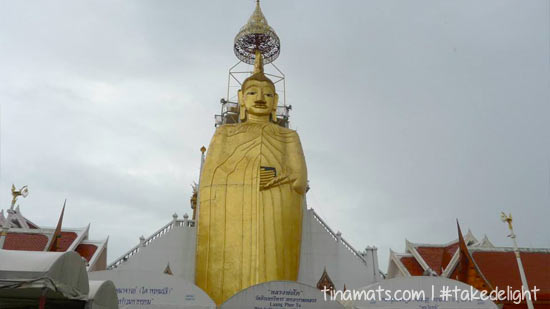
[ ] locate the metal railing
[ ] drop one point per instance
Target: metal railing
(230, 114)
(338, 237)
(191, 223)
(145, 242)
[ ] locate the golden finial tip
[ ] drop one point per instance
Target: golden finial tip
(258, 62)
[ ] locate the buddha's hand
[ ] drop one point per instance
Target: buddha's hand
(297, 184)
(276, 181)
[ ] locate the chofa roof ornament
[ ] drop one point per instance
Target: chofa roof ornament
(256, 34)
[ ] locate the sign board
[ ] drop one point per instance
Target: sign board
(145, 289)
(280, 295)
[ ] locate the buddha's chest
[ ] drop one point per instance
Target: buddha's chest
(254, 147)
(256, 140)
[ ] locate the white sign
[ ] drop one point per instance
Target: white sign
(146, 289)
(280, 295)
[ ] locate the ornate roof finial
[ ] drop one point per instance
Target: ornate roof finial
(524, 286)
(508, 219)
(24, 191)
(53, 246)
(256, 34)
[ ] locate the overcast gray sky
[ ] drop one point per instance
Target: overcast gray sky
(411, 113)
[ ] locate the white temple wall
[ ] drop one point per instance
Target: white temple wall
(371, 256)
(176, 248)
(321, 249)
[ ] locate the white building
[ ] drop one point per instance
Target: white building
(171, 250)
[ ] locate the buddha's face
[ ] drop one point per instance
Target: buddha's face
(259, 98)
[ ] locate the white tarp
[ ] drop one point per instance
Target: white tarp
(102, 295)
(433, 290)
(280, 294)
(27, 274)
(146, 289)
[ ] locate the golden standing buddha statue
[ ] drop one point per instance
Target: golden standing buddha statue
(251, 197)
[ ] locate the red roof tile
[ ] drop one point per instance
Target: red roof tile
(501, 269)
(412, 266)
(437, 257)
(65, 241)
(86, 251)
(25, 241)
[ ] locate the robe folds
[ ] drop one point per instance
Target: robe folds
(248, 234)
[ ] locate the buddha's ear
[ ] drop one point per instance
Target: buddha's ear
(274, 111)
(240, 95)
(242, 109)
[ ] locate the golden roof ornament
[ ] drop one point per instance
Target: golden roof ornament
(256, 34)
(24, 192)
(508, 219)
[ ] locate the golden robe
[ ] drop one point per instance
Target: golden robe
(248, 234)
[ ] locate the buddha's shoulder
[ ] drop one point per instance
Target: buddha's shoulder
(231, 129)
(234, 128)
(283, 132)
(226, 127)
(282, 129)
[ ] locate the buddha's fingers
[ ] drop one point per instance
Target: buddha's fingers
(277, 181)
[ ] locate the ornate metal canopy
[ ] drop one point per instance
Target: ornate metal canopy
(256, 34)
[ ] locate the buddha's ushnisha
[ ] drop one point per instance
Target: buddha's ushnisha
(251, 197)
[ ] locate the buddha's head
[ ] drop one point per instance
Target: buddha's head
(257, 96)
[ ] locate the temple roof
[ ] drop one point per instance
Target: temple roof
(24, 235)
(499, 266)
(325, 282)
(15, 218)
(491, 266)
(412, 266)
